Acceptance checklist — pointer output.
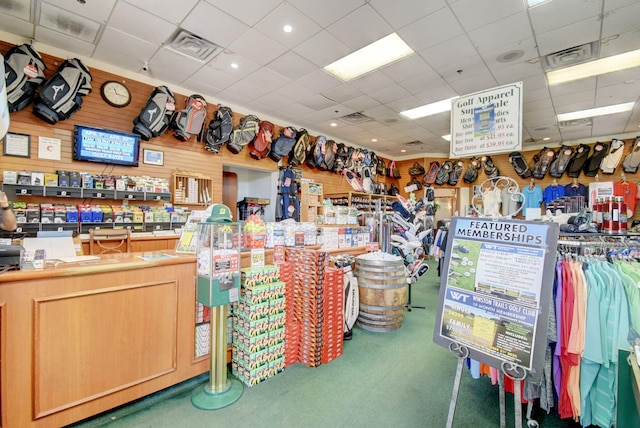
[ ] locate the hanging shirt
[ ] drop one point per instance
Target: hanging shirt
(531, 198)
(491, 202)
(629, 192)
(552, 192)
(510, 200)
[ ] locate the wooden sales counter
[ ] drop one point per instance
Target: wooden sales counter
(81, 338)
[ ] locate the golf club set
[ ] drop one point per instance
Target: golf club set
(412, 225)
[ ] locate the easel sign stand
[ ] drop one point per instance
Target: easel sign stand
(218, 284)
(494, 302)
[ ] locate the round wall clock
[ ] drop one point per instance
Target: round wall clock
(115, 93)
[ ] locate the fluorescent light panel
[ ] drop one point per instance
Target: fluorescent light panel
(428, 109)
(378, 54)
(594, 68)
(532, 3)
(600, 111)
(446, 137)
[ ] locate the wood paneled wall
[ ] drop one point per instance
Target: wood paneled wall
(191, 156)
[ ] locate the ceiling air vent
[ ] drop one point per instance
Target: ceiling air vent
(187, 43)
(415, 143)
(572, 56)
(355, 118)
(576, 122)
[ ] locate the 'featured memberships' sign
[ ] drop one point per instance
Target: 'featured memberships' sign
(496, 294)
(487, 122)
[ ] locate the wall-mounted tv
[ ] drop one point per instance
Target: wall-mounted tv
(105, 146)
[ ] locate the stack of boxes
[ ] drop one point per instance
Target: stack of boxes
(259, 326)
(333, 315)
(317, 309)
(292, 326)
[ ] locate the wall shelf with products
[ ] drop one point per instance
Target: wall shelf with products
(311, 199)
(361, 201)
(192, 189)
(16, 190)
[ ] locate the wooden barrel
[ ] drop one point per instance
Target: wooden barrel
(382, 286)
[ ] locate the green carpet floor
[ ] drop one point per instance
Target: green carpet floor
(394, 379)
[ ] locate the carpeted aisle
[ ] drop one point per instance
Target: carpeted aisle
(395, 379)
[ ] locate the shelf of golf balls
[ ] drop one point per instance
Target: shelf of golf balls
(284, 233)
(258, 338)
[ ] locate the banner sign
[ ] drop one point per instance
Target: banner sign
(487, 122)
(496, 290)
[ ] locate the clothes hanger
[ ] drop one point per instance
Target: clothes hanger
(532, 184)
(554, 183)
(575, 182)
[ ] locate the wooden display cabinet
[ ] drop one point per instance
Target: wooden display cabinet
(192, 189)
(362, 201)
(311, 202)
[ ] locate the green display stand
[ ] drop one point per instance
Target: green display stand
(220, 392)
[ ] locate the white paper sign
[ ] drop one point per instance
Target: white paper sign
(49, 148)
(487, 122)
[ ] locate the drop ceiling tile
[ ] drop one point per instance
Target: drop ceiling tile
(617, 94)
(64, 42)
(435, 94)
(403, 103)
(233, 98)
(608, 125)
(247, 90)
(271, 25)
(292, 65)
(249, 15)
(410, 10)
(317, 102)
(474, 14)
(322, 49)
(16, 26)
(325, 12)
(269, 80)
(195, 86)
(406, 68)
(361, 103)
(341, 93)
(476, 83)
(495, 58)
(294, 92)
(360, 28)
(532, 106)
(371, 82)
(463, 70)
(163, 66)
(169, 10)
(554, 15)
(423, 82)
(271, 102)
(20, 9)
(569, 36)
(295, 110)
(214, 25)
(223, 62)
(431, 30)
(380, 113)
(625, 42)
(621, 20)
(504, 32)
(623, 77)
(141, 24)
(582, 85)
(456, 49)
(69, 24)
(116, 40)
(96, 11)
(517, 72)
(391, 93)
(319, 81)
(214, 78)
(124, 61)
(255, 45)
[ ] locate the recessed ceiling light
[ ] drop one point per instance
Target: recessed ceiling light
(374, 140)
(546, 138)
(402, 151)
(533, 3)
(594, 68)
(428, 109)
(334, 124)
(446, 137)
(371, 57)
(600, 111)
(287, 28)
(234, 65)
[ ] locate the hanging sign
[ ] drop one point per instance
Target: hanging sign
(487, 122)
(496, 291)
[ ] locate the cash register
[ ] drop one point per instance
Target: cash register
(10, 256)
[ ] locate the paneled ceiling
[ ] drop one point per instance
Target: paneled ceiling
(461, 46)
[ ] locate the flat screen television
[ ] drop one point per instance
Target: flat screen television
(105, 146)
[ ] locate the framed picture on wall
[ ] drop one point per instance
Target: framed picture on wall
(152, 157)
(16, 145)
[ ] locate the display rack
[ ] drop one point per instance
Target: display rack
(361, 201)
(192, 189)
(311, 202)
